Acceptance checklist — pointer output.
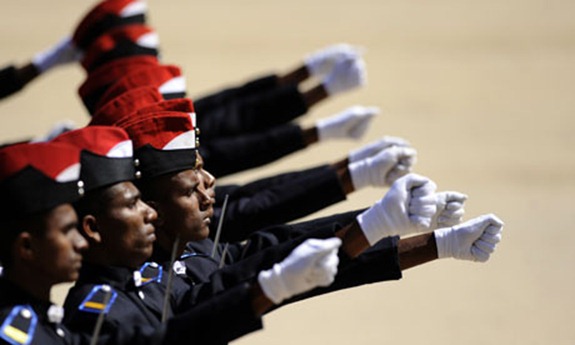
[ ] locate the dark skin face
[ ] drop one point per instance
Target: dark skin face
(186, 207)
(207, 179)
(125, 226)
(56, 250)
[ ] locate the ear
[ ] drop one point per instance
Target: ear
(156, 206)
(90, 228)
(23, 248)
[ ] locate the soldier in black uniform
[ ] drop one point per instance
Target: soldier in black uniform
(41, 247)
(118, 226)
(169, 173)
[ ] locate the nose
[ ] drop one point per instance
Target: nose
(150, 214)
(209, 179)
(206, 200)
(78, 241)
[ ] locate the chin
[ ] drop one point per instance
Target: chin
(201, 235)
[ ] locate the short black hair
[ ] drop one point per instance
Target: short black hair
(93, 202)
(10, 229)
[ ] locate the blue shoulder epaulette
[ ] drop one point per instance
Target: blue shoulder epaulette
(151, 272)
(99, 300)
(19, 327)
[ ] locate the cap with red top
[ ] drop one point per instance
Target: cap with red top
(181, 105)
(123, 41)
(99, 80)
(125, 105)
(164, 142)
(36, 177)
(106, 15)
(106, 155)
(167, 78)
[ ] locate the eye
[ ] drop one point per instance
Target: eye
(134, 203)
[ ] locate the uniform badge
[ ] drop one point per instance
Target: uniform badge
(151, 272)
(99, 300)
(18, 328)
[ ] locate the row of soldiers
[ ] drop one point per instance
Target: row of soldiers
(128, 208)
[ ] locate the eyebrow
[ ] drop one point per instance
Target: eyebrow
(134, 196)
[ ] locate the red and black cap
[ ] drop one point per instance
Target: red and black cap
(106, 155)
(125, 105)
(164, 142)
(106, 15)
(168, 79)
(99, 80)
(123, 41)
(36, 177)
(181, 105)
(184, 105)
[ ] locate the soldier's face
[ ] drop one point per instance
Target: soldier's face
(126, 226)
(207, 179)
(57, 250)
(188, 207)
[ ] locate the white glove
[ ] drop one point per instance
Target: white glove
(322, 61)
(473, 240)
(406, 209)
(382, 169)
(61, 53)
(311, 264)
(375, 147)
(350, 123)
(347, 74)
(450, 209)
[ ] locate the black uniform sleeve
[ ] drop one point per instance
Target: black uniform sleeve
(247, 265)
(226, 156)
(252, 113)
(9, 82)
(255, 86)
(217, 320)
(377, 264)
(277, 200)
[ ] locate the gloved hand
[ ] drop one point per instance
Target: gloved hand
(473, 240)
(322, 61)
(350, 123)
(347, 74)
(61, 53)
(311, 264)
(450, 209)
(406, 209)
(375, 147)
(382, 169)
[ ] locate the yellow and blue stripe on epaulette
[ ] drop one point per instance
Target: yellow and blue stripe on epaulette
(19, 327)
(151, 272)
(99, 300)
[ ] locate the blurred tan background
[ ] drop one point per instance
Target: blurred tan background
(483, 90)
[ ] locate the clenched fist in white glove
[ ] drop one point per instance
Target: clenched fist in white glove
(311, 264)
(450, 209)
(346, 75)
(350, 123)
(376, 147)
(406, 209)
(473, 240)
(61, 53)
(322, 61)
(382, 169)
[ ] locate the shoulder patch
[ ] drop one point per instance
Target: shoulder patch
(151, 272)
(179, 268)
(19, 327)
(99, 300)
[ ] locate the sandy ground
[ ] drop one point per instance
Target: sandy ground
(483, 90)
